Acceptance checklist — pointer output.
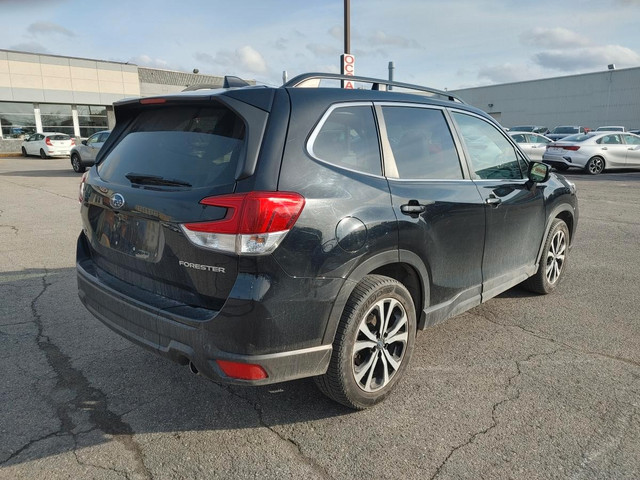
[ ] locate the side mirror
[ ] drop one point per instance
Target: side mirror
(539, 172)
(84, 142)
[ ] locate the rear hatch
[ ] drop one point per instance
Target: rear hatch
(163, 159)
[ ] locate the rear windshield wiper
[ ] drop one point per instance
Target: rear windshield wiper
(144, 179)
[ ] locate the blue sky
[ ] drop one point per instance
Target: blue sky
(444, 44)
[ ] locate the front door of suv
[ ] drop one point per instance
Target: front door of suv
(440, 213)
(514, 209)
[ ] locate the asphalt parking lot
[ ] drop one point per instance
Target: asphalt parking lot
(524, 386)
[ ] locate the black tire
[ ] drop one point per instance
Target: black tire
(553, 261)
(382, 362)
(594, 166)
(76, 163)
(42, 154)
(24, 152)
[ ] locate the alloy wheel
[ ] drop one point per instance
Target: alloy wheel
(555, 256)
(380, 344)
(596, 165)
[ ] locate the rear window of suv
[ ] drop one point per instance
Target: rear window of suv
(193, 144)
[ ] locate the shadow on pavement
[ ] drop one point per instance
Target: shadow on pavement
(58, 359)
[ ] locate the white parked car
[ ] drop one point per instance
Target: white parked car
(533, 144)
(594, 152)
(48, 144)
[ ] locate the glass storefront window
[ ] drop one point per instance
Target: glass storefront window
(56, 118)
(92, 119)
(17, 119)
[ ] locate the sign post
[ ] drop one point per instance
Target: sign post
(348, 67)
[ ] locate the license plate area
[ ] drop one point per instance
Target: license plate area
(133, 236)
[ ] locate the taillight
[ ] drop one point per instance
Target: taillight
(243, 371)
(81, 190)
(255, 222)
(571, 147)
(73, 142)
(47, 140)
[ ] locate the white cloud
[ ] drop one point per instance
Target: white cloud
(39, 28)
(323, 50)
(587, 58)
(505, 73)
(32, 47)
(147, 61)
(555, 38)
(381, 38)
(244, 58)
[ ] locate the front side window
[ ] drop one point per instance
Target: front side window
(519, 138)
(538, 139)
(491, 154)
(349, 138)
(421, 143)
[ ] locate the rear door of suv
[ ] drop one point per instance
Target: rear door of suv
(439, 210)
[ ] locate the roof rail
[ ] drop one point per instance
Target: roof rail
(314, 78)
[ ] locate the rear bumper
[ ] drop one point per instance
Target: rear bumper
(282, 334)
(564, 161)
(182, 343)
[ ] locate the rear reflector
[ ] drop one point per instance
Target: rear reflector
(255, 223)
(242, 371)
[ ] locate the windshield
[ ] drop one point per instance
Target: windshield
(522, 128)
(193, 145)
(565, 130)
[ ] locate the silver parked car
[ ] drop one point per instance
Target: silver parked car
(84, 155)
(594, 152)
(533, 144)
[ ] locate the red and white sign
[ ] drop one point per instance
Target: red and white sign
(348, 68)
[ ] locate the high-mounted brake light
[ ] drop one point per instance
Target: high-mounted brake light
(152, 101)
(255, 223)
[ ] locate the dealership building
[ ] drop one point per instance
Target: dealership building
(40, 93)
(609, 97)
(75, 95)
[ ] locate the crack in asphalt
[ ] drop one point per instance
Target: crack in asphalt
(494, 410)
(485, 313)
(260, 413)
(38, 189)
(15, 229)
(86, 398)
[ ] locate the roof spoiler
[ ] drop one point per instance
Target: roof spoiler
(230, 81)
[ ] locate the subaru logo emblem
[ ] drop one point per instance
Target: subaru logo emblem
(117, 201)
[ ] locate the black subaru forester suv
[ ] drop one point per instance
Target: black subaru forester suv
(265, 234)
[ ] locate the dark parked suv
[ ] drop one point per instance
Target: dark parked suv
(265, 234)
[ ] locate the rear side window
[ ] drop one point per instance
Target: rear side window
(349, 138)
(193, 144)
(421, 143)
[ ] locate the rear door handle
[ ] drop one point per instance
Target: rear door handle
(412, 208)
